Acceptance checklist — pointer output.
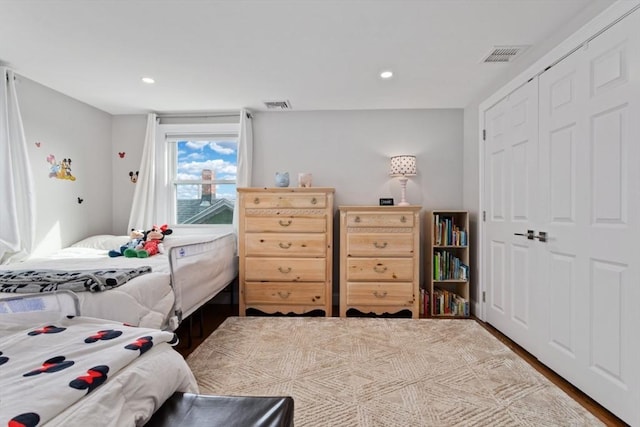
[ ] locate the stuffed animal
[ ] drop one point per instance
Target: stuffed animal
(135, 237)
(151, 243)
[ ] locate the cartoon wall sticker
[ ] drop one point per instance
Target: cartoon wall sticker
(121, 154)
(80, 200)
(134, 176)
(38, 143)
(60, 170)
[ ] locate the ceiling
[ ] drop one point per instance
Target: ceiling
(223, 55)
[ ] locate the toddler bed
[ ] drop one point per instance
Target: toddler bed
(60, 370)
(195, 266)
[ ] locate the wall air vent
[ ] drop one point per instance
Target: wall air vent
(277, 105)
(504, 53)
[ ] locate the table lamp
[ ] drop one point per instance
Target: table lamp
(402, 167)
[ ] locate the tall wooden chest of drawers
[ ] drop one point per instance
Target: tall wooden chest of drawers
(379, 259)
(285, 249)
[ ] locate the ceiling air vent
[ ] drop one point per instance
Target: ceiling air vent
(504, 53)
(277, 105)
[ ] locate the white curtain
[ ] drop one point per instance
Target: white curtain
(144, 206)
(17, 190)
(245, 157)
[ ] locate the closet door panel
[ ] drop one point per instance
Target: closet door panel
(589, 186)
(511, 166)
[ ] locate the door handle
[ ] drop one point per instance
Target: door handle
(529, 234)
(542, 236)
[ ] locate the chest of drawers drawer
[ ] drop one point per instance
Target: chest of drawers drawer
(285, 269)
(386, 269)
(379, 219)
(266, 200)
(285, 224)
(380, 293)
(285, 244)
(285, 293)
(379, 244)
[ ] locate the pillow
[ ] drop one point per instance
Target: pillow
(104, 242)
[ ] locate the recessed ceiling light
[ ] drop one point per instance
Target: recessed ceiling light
(386, 74)
(148, 80)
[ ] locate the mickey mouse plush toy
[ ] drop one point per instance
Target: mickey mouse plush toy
(135, 237)
(151, 244)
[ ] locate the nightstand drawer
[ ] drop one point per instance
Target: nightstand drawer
(380, 244)
(285, 269)
(379, 219)
(284, 293)
(369, 269)
(380, 293)
(285, 244)
(285, 224)
(285, 200)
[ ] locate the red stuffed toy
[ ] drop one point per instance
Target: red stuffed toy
(151, 244)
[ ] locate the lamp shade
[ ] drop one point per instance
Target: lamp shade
(403, 166)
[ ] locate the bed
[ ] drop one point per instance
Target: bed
(60, 370)
(196, 265)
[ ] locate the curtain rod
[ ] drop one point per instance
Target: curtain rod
(202, 115)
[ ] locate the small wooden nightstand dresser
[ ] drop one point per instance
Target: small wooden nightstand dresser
(285, 249)
(379, 259)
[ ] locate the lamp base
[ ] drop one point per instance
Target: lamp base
(403, 187)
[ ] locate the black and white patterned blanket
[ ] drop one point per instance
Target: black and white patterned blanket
(29, 281)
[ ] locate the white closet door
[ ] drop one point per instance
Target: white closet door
(589, 271)
(511, 151)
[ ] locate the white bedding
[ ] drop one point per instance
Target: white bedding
(138, 382)
(149, 300)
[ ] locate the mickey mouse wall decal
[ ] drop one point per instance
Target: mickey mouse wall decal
(121, 154)
(134, 176)
(38, 144)
(80, 200)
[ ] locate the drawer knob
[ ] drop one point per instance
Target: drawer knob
(256, 201)
(314, 201)
(403, 218)
(284, 270)
(380, 245)
(356, 219)
(380, 294)
(285, 223)
(285, 245)
(379, 268)
(284, 295)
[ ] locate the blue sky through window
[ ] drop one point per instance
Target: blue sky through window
(219, 156)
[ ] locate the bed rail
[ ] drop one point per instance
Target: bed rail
(64, 302)
(184, 259)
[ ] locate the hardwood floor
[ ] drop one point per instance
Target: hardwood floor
(212, 315)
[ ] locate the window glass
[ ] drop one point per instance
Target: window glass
(205, 179)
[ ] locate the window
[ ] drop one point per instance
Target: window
(201, 165)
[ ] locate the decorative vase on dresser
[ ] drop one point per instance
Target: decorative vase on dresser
(285, 238)
(379, 259)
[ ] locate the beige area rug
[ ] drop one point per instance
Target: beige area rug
(382, 372)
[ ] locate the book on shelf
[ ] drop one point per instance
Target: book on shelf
(447, 233)
(447, 266)
(449, 303)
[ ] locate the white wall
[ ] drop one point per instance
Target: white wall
(67, 128)
(350, 150)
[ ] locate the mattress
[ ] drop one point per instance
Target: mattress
(204, 262)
